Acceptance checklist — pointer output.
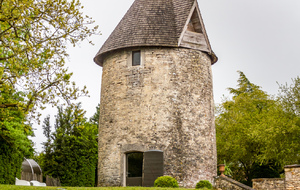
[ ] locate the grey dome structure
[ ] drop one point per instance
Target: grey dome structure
(31, 170)
(157, 109)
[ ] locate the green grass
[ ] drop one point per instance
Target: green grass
(14, 187)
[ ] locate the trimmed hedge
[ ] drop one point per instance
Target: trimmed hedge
(204, 184)
(165, 181)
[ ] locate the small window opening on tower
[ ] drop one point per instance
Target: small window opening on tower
(136, 58)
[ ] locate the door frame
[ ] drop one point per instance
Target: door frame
(134, 179)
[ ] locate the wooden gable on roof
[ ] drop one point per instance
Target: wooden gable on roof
(194, 35)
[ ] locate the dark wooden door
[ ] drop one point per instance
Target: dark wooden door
(153, 167)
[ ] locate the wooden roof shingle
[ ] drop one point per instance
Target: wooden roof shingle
(149, 23)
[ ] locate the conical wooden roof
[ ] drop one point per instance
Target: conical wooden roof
(155, 23)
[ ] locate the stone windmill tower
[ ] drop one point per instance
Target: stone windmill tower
(157, 111)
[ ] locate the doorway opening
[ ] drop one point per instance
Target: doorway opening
(134, 168)
(143, 168)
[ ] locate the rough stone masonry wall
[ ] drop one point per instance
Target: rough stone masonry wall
(292, 177)
(226, 183)
(269, 184)
(164, 104)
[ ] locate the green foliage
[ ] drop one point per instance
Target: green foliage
(72, 153)
(228, 171)
(204, 184)
(10, 163)
(254, 130)
(14, 143)
(269, 170)
(33, 38)
(290, 96)
(165, 181)
(95, 118)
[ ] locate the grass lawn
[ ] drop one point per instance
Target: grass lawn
(14, 187)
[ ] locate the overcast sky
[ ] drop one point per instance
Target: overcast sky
(258, 37)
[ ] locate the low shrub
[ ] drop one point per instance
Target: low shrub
(203, 184)
(165, 181)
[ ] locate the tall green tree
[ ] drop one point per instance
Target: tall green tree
(254, 133)
(14, 144)
(95, 118)
(72, 153)
(34, 35)
(289, 97)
